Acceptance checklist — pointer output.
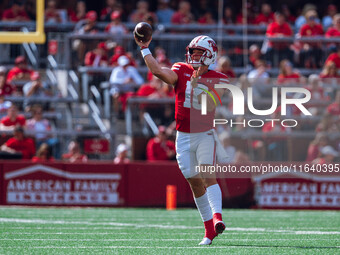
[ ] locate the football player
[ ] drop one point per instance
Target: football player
(195, 139)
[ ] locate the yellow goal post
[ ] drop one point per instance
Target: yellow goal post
(20, 37)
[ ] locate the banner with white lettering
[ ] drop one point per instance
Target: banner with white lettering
(309, 191)
(64, 184)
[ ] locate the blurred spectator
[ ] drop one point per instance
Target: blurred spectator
(314, 86)
(74, 154)
(328, 154)
(98, 56)
(141, 12)
(288, 14)
(106, 12)
(328, 19)
(79, 14)
(4, 105)
(250, 19)
(52, 14)
(16, 12)
(334, 57)
(259, 78)
(224, 66)
(162, 59)
(266, 16)
(334, 108)
(159, 147)
(311, 52)
(229, 16)
(202, 7)
(124, 74)
(123, 78)
(6, 89)
(12, 119)
(43, 154)
(20, 71)
(34, 91)
(116, 27)
(229, 149)
(276, 145)
(320, 141)
(301, 20)
(333, 31)
(183, 15)
(278, 50)
(254, 54)
(121, 154)
(19, 143)
(40, 127)
(207, 19)
(164, 12)
(287, 75)
(87, 26)
(329, 71)
(327, 124)
(120, 51)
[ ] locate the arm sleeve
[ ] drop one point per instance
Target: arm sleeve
(136, 76)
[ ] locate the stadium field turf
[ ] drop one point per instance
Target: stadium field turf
(51, 230)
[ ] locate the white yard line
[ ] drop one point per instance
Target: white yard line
(37, 221)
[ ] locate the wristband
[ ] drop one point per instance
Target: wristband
(145, 52)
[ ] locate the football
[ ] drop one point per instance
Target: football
(143, 32)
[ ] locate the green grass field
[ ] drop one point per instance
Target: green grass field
(30, 230)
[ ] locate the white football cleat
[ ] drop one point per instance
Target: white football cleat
(219, 227)
(205, 241)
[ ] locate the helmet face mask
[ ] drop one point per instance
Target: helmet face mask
(209, 48)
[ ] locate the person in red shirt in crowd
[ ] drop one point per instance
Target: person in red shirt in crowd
(79, 14)
(111, 6)
(329, 74)
(15, 13)
(334, 57)
(121, 154)
(141, 12)
(333, 31)
(183, 15)
(6, 89)
(278, 29)
(334, 108)
(12, 119)
(74, 154)
(320, 141)
(43, 154)
(224, 66)
(287, 75)
(311, 52)
(20, 71)
(98, 56)
(159, 147)
(266, 16)
(250, 19)
(116, 27)
(328, 154)
(20, 144)
(118, 52)
(207, 19)
(52, 15)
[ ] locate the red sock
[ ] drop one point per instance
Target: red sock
(217, 217)
(209, 229)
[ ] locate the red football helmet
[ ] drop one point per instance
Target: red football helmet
(206, 44)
